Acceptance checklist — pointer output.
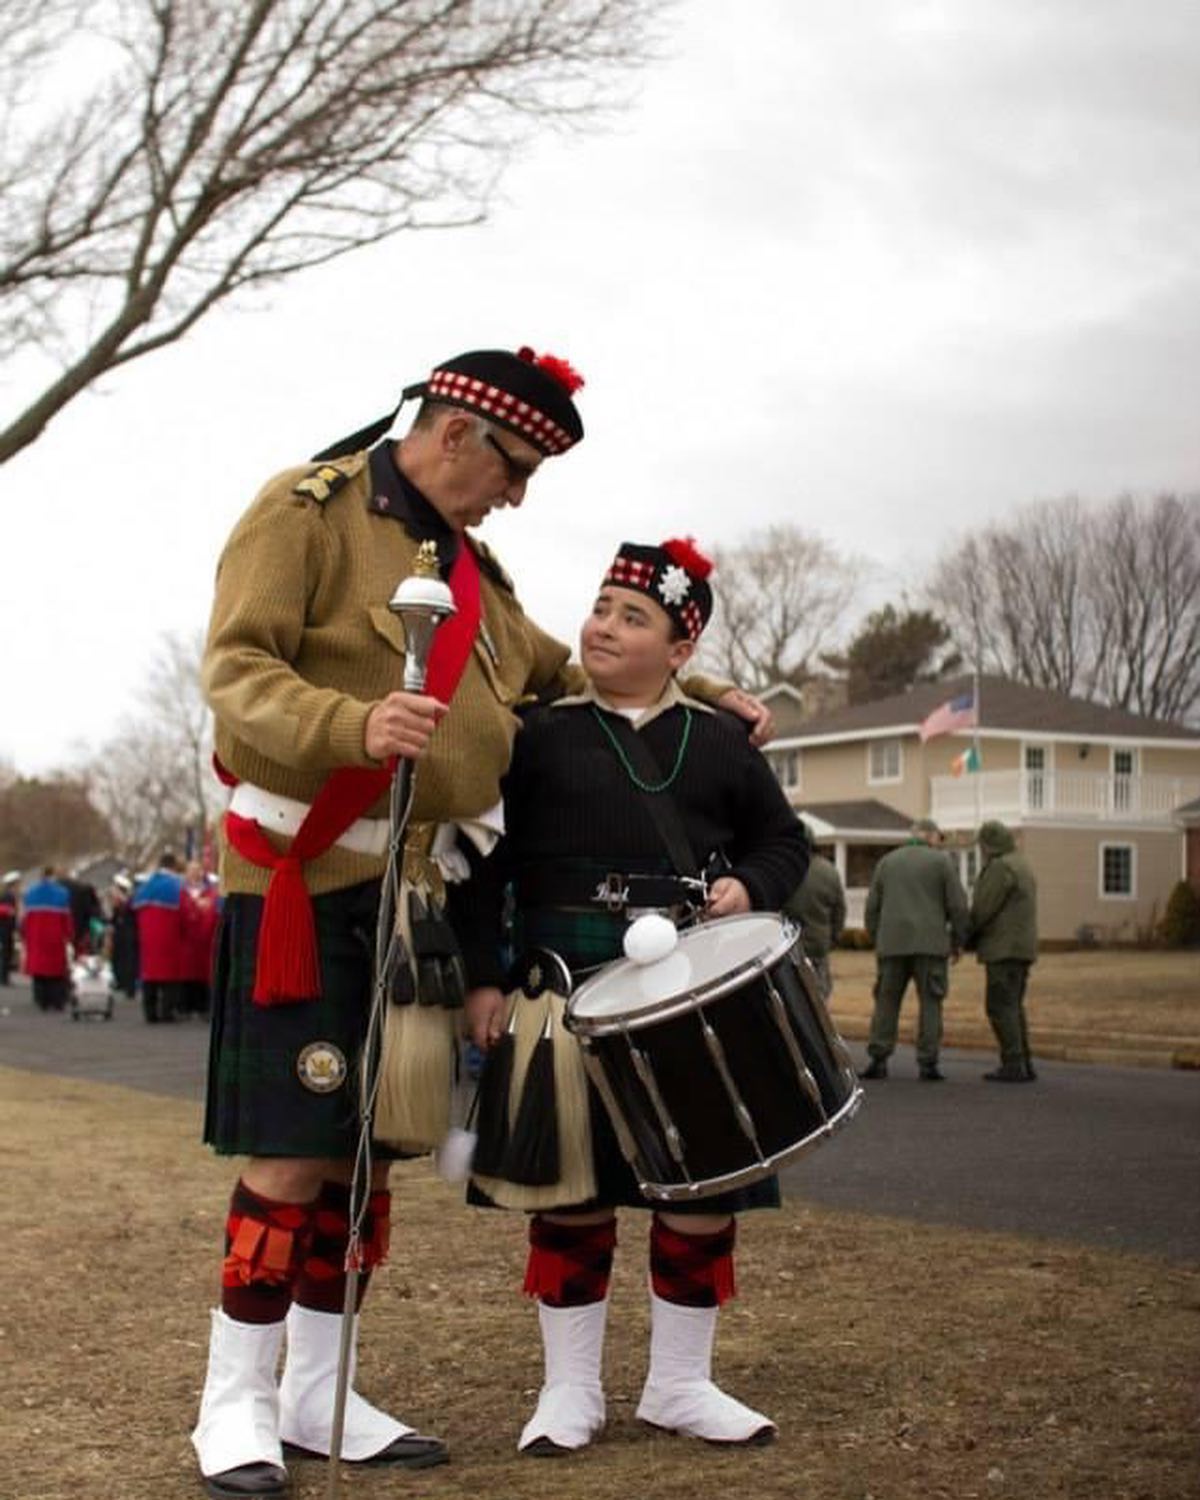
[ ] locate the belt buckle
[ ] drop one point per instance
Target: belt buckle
(613, 892)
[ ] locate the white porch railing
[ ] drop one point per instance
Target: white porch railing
(1026, 796)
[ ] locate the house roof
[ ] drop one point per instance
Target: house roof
(1004, 705)
(868, 815)
(1189, 813)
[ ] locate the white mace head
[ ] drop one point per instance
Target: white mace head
(422, 601)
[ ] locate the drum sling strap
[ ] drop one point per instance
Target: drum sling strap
(659, 805)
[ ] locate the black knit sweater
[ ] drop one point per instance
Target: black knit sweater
(567, 797)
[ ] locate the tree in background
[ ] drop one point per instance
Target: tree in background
(153, 779)
(1101, 602)
(48, 820)
(892, 650)
(780, 599)
(198, 148)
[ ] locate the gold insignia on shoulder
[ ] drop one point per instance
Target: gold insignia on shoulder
(321, 1067)
(327, 479)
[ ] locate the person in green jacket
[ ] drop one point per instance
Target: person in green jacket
(916, 918)
(1003, 932)
(819, 905)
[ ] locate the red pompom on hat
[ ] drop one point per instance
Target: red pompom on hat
(684, 551)
(558, 369)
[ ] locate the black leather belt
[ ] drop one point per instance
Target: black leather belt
(616, 892)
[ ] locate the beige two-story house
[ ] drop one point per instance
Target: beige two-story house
(1092, 793)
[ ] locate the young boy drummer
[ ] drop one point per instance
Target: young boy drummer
(575, 812)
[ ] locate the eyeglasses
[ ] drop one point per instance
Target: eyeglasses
(517, 472)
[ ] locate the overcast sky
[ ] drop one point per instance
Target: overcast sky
(883, 268)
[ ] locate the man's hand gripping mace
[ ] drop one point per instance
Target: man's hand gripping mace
(423, 602)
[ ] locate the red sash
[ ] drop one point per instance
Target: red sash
(288, 966)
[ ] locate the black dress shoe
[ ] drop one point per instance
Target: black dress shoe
(875, 1069)
(246, 1479)
(1009, 1075)
(412, 1451)
(545, 1447)
(932, 1075)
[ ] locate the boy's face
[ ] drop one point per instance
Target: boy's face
(626, 647)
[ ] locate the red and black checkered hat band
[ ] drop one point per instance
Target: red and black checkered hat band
(654, 572)
(510, 411)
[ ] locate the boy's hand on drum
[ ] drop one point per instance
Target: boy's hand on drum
(727, 897)
(483, 1014)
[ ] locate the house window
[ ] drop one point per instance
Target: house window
(1118, 871)
(885, 761)
(786, 765)
(1035, 777)
(1124, 768)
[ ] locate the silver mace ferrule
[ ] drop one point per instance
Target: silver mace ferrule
(422, 601)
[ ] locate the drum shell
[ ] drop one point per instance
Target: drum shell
(764, 1040)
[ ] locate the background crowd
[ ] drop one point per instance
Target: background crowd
(151, 935)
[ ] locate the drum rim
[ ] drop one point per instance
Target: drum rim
(709, 1187)
(689, 1000)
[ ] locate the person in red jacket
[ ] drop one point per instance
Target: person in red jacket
(8, 923)
(46, 932)
(200, 914)
(158, 904)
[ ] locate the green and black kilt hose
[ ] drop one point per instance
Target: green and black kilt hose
(586, 941)
(283, 1080)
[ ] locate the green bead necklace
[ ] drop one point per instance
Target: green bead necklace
(645, 786)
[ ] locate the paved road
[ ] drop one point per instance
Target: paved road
(1099, 1156)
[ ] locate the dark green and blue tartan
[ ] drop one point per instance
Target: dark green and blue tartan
(584, 937)
(256, 1103)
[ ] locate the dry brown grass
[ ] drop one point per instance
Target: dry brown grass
(1134, 1003)
(900, 1361)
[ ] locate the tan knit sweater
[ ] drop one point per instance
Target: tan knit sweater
(302, 645)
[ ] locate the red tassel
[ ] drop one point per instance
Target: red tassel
(683, 550)
(288, 969)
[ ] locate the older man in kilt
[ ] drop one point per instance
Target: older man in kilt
(302, 669)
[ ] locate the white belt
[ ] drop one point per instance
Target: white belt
(284, 815)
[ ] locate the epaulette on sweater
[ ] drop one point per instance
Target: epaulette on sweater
(326, 479)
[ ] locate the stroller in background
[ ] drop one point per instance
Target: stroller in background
(92, 988)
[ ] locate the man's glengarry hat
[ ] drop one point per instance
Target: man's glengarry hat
(526, 393)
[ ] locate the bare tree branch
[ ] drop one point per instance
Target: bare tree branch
(223, 144)
(1103, 603)
(779, 602)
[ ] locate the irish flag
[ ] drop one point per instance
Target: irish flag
(967, 761)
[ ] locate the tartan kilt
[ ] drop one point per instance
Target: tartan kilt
(586, 940)
(283, 1080)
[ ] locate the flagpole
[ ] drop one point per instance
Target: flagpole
(975, 732)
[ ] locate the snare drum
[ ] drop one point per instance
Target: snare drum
(719, 1063)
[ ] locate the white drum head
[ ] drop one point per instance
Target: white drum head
(625, 992)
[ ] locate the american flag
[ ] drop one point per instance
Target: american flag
(955, 713)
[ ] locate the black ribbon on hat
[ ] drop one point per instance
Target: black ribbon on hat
(368, 436)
